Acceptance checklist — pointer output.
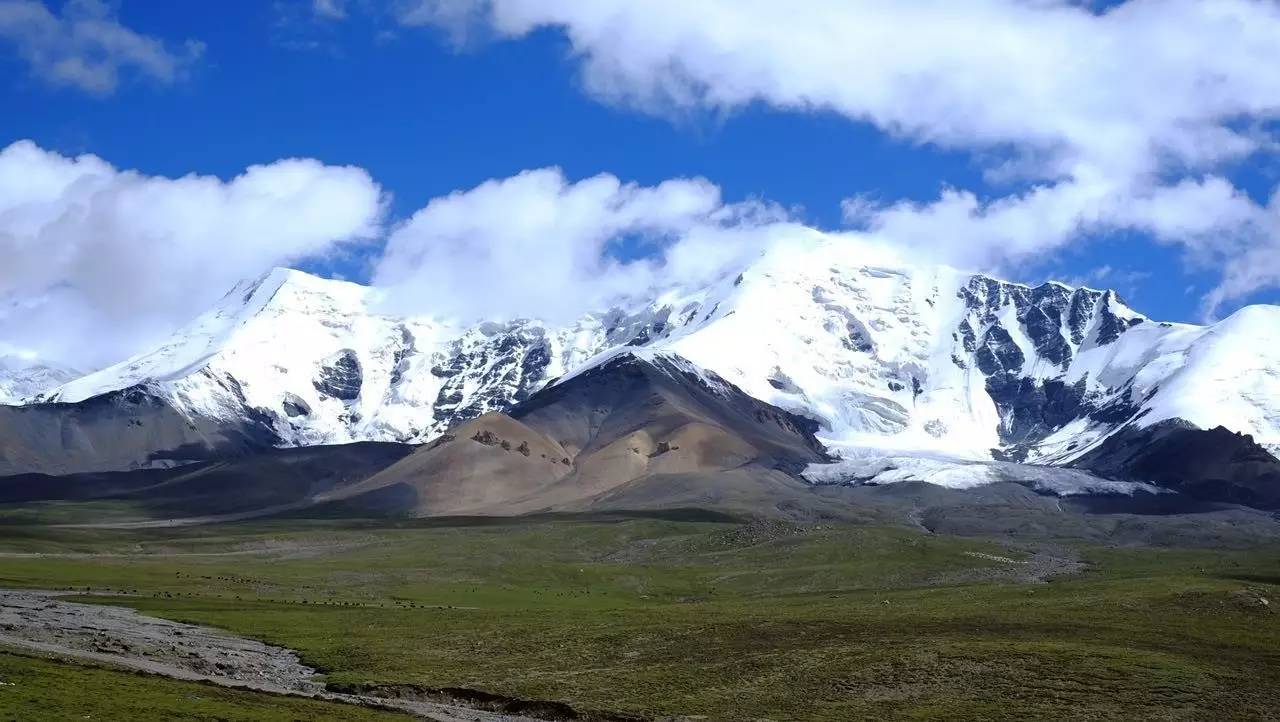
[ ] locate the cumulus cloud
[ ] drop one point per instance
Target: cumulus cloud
(537, 244)
(1216, 225)
(99, 262)
(1088, 117)
(86, 47)
(1251, 259)
(960, 225)
(1116, 89)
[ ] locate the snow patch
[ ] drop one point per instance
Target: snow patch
(873, 467)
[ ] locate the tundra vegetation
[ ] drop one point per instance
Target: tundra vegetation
(625, 616)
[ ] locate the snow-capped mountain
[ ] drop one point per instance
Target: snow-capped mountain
(316, 357)
(881, 353)
(22, 379)
(930, 360)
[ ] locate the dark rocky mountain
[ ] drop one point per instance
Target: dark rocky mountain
(1212, 465)
(660, 396)
(254, 484)
(635, 421)
(121, 430)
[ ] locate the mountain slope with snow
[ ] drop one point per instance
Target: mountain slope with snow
(316, 357)
(22, 379)
(915, 359)
(883, 354)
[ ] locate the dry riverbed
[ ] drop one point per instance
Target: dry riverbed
(41, 621)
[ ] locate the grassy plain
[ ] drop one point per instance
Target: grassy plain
(649, 618)
(33, 688)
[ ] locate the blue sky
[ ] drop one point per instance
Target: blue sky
(425, 117)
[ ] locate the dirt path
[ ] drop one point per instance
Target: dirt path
(40, 621)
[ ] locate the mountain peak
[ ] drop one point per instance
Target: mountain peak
(253, 316)
(876, 351)
(258, 292)
(23, 377)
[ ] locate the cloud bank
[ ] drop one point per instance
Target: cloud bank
(1126, 117)
(536, 244)
(100, 261)
(1085, 121)
(86, 47)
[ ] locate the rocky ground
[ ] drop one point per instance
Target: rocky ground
(42, 621)
(1041, 564)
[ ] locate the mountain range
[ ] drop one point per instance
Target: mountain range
(816, 365)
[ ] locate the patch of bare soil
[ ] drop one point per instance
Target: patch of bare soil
(692, 548)
(758, 531)
(1040, 565)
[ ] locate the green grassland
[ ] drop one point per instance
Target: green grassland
(650, 617)
(33, 688)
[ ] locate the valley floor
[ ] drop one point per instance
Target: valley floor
(638, 618)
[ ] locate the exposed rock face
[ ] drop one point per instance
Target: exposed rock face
(997, 353)
(1033, 409)
(1213, 465)
(486, 437)
(1110, 325)
(1054, 318)
(499, 366)
(663, 447)
(1038, 396)
(296, 406)
(340, 376)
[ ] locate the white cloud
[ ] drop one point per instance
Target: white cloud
(86, 47)
(1214, 223)
(1118, 117)
(536, 244)
(1016, 227)
(329, 9)
(1114, 89)
(1090, 121)
(100, 261)
(1251, 261)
